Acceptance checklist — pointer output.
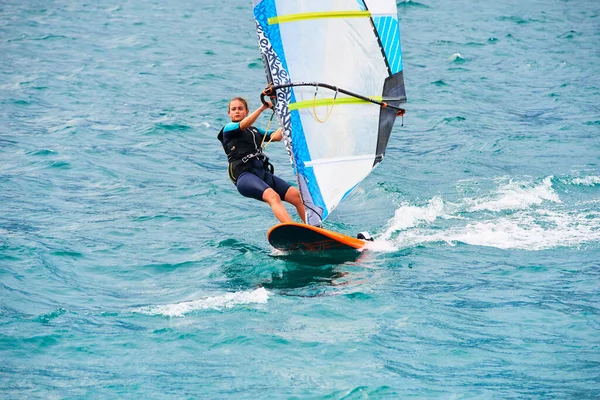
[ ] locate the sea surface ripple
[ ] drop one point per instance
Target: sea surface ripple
(131, 268)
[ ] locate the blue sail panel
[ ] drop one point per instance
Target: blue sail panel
(389, 34)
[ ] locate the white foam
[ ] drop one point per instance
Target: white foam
(535, 222)
(381, 246)
(524, 230)
(516, 196)
(587, 181)
(455, 56)
(227, 300)
(408, 216)
(544, 230)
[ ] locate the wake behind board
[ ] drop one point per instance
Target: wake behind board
(302, 237)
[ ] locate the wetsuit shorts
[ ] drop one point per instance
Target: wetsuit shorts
(254, 184)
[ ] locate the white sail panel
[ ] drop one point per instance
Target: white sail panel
(334, 139)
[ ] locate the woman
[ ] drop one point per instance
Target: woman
(249, 168)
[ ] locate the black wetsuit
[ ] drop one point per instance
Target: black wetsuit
(248, 167)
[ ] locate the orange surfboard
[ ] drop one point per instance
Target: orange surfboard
(292, 237)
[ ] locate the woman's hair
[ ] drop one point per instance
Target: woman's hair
(244, 102)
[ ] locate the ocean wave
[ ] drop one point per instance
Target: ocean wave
(456, 58)
(586, 181)
(224, 301)
(517, 215)
(516, 196)
(408, 216)
(523, 231)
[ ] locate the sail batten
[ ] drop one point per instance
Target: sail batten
(330, 102)
(317, 15)
(349, 44)
(338, 160)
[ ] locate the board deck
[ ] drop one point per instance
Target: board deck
(293, 237)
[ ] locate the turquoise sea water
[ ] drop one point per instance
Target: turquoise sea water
(131, 268)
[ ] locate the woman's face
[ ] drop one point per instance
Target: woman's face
(237, 111)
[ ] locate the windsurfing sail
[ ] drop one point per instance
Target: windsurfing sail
(335, 70)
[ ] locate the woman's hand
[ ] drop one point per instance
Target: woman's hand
(267, 105)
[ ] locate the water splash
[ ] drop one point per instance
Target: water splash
(224, 301)
(408, 216)
(518, 215)
(539, 231)
(456, 58)
(516, 196)
(587, 181)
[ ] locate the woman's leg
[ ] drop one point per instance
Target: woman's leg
(274, 200)
(287, 193)
(292, 196)
(250, 185)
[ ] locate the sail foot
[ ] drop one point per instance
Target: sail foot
(314, 213)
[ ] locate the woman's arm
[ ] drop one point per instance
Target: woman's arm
(276, 136)
(251, 118)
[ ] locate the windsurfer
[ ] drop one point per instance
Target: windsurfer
(249, 168)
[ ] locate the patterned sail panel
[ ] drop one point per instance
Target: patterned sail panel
(334, 140)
